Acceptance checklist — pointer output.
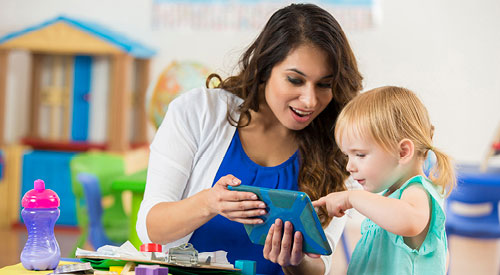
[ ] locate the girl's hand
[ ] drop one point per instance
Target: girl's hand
(336, 203)
(284, 248)
(237, 206)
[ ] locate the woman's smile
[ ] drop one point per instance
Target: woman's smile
(301, 116)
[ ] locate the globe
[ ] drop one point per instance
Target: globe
(178, 77)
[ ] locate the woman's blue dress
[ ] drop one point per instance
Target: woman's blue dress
(222, 234)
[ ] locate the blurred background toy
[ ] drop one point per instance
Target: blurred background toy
(177, 77)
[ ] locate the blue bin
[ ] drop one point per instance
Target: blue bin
(472, 207)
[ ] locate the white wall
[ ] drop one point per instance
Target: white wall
(449, 53)
(446, 51)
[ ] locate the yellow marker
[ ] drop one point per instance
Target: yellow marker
(117, 269)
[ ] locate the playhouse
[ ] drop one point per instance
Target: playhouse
(86, 90)
(83, 76)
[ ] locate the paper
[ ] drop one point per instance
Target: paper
(217, 258)
(128, 251)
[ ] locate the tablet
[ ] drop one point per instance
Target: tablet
(288, 205)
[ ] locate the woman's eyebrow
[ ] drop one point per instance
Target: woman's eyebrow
(297, 71)
(303, 74)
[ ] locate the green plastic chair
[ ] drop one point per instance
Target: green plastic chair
(106, 167)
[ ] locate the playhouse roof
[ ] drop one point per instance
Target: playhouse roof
(67, 35)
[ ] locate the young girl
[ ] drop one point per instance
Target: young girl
(386, 135)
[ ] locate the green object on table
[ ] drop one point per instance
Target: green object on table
(136, 183)
(103, 263)
(106, 167)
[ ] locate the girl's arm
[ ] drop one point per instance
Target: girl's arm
(406, 217)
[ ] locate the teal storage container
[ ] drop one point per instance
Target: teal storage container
(53, 168)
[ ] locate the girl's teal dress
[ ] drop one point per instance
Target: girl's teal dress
(381, 252)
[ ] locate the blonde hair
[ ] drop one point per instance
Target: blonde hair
(390, 114)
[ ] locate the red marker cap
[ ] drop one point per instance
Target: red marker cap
(151, 247)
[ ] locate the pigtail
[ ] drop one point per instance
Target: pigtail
(442, 173)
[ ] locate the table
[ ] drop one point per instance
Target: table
(18, 269)
(136, 183)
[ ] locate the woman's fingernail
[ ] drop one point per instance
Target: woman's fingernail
(262, 205)
(254, 197)
(235, 180)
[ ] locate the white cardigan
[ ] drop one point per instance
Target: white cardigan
(187, 151)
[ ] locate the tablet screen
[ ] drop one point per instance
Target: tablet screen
(288, 205)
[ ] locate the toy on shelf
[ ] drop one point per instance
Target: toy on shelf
(88, 86)
(494, 150)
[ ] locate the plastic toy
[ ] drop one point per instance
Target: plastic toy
(151, 270)
(247, 267)
(78, 69)
(288, 205)
(105, 167)
(97, 235)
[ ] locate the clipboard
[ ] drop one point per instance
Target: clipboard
(287, 205)
(103, 262)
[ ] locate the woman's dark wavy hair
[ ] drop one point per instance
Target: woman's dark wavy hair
(322, 165)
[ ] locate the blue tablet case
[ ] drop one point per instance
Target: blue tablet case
(288, 205)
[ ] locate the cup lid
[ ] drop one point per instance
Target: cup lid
(39, 197)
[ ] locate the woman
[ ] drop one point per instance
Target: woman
(271, 126)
